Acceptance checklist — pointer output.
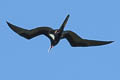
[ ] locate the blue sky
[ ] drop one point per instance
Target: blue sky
(22, 59)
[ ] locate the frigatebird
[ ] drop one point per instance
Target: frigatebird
(55, 35)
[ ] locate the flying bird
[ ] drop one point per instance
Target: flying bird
(55, 35)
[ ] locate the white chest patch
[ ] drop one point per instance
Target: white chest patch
(52, 36)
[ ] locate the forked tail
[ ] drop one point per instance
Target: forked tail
(64, 23)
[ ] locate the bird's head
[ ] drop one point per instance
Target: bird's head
(50, 48)
(53, 44)
(56, 34)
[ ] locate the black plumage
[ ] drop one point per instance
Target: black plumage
(77, 41)
(55, 35)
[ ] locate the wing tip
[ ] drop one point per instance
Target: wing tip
(8, 22)
(10, 25)
(107, 42)
(110, 42)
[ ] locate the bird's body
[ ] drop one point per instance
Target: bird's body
(56, 35)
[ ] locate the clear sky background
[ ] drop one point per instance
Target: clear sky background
(22, 59)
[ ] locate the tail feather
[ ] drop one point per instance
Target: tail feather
(65, 22)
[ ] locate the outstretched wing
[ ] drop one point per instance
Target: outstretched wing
(28, 34)
(77, 41)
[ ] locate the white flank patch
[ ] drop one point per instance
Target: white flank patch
(52, 36)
